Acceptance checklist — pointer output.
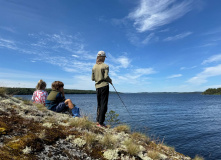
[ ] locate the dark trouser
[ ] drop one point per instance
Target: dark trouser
(102, 101)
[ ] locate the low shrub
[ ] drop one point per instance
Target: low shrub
(2, 91)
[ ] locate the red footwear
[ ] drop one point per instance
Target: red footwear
(99, 125)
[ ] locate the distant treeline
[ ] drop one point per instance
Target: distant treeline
(213, 91)
(29, 91)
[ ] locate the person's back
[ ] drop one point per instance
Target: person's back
(39, 96)
(100, 75)
(53, 99)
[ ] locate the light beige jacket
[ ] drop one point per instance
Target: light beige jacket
(100, 75)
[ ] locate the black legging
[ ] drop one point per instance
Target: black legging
(102, 101)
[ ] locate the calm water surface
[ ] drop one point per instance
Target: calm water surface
(189, 122)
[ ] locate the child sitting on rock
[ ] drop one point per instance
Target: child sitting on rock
(39, 96)
(56, 100)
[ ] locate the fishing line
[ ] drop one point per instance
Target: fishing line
(121, 100)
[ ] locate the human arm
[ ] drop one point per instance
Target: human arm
(92, 76)
(106, 76)
(33, 96)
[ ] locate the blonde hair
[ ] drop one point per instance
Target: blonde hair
(56, 85)
(100, 59)
(41, 85)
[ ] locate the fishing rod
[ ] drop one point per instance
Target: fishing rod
(121, 100)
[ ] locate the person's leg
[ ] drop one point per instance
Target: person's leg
(69, 103)
(60, 107)
(98, 103)
(104, 103)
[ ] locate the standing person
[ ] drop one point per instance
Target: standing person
(39, 96)
(56, 100)
(102, 80)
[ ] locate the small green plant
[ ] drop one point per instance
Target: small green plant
(112, 118)
(2, 91)
(198, 158)
(132, 148)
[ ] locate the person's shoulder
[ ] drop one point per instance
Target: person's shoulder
(105, 65)
(95, 65)
(45, 92)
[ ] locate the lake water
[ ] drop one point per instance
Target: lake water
(191, 123)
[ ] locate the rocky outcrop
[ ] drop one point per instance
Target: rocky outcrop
(29, 131)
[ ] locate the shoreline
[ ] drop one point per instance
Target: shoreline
(55, 132)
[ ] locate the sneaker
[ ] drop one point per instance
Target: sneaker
(102, 125)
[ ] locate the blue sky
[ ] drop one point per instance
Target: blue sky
(151, 45)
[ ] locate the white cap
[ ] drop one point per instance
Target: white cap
(101, 54)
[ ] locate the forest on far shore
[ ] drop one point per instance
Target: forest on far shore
(212, 91)
(29, 91)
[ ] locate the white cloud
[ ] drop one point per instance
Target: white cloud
(118, 62)
(144, 71)
(185, 68)
(151, 14)
(149, 38)
(177, 37)
(175, 76)
(17, 83)
(9, 29)
(76, 56)
(132, 76)
(17, 74)
(10, 44)
(214, 58)
(124, 61)
(207, 73)
(83, 82)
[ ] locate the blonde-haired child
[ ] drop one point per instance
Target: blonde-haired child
(40, 95)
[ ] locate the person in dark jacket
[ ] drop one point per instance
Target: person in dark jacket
(56, 100)
(102, 80)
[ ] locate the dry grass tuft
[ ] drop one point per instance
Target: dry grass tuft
(51, 120)
(140, 137)
(108, 141)
(40, 107)
(153, 154)
(197, 157)
(132, 148)
(122, 128)
(90, 139)
(167, 148)
(82, 123)
(27, 102)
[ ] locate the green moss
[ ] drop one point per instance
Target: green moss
(53, 134)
